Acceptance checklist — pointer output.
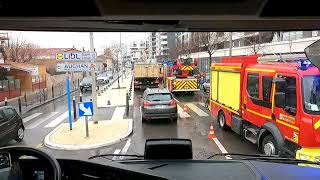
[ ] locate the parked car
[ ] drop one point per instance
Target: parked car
(103, 79)
(158, 103)
(11, 125)
(86, 84)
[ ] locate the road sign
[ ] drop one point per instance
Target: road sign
(85, 109)
(76, 56)
(68, 67)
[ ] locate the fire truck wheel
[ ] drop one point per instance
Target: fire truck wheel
(269, 146)
(222, 120)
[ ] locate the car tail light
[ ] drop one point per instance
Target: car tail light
(146, 103)
(173, 102)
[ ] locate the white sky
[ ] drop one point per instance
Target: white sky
(77, 39)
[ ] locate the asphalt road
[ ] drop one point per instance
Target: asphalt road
(194, 125)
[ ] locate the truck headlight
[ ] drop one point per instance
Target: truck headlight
(304, 157)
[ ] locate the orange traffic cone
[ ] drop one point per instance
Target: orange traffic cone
(185, 108)
(211, 132)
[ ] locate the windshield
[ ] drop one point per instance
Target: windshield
(196, 82)
(311, 93)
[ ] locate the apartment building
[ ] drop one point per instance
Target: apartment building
(139, 51)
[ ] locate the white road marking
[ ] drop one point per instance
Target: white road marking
(181, 113)
(125, 148)
(26, 119)
(221, 147)
(117, 151)
(197, 110)
(176, 99)
(118, 113)
(37, 123)
(202, 104)
(58, 120)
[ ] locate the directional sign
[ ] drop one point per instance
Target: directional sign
(76, 56)
(68, 67)
(85, 108)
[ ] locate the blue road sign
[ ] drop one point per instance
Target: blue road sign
(85, 108)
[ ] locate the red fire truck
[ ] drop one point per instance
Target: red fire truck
(273, 105)
(182, 76)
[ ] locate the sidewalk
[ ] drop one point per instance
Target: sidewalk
(114, 96)
(106, 132)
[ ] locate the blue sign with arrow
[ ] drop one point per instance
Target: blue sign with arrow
(85, 108)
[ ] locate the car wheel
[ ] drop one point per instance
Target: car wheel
(20, 134)
(143, 119)
(269, 146)
(222, 120)
(174, 120)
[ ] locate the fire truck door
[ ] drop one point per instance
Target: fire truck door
(287, 117)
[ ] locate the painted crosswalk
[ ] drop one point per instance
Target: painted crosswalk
(197, 110)
(40, 121)
(58, 120)
(26, 119)
(118, 113)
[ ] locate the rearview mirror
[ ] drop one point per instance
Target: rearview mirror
(168, 149)
(313, 53)
(280, 99)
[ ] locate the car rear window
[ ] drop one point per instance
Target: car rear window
(159, 97)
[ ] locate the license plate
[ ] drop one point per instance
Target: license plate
(161, 106)
(86, 86)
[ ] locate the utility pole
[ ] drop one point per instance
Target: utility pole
(94, 85)
(230, 44)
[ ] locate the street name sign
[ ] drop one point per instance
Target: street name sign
(76, 56)
(73, 67)
(85, 108)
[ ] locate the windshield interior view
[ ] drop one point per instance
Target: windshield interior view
(106, 89)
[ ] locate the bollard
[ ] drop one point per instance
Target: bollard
(19, 103)
(80, 97)
(74, 108)
(5, 101)
(127, 104)
(52, 90)
(25, 99)
(108, 102)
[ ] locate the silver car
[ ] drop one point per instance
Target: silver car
(158, 103)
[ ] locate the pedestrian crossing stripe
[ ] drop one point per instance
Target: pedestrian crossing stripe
(197, 110)
(190, 68)
(186, 84)
(181, 113)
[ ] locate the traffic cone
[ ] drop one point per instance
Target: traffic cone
(185, 108)
(211, 132)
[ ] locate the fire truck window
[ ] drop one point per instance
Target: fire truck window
(290, 90)
(266, 87)
(253, 85)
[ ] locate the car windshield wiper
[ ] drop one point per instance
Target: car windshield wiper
(267, 158)
(124, 155)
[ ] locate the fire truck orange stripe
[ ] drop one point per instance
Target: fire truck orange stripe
(287, 124)
(260, 70)
(259, 114)
(317, 124)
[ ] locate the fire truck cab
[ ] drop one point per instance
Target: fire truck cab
(273, 105)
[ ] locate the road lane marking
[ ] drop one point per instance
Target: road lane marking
(197, 110)
(125, 148)
(202, 104)
(221, 147)
(58, 120)
(37, 123)
(118, 113)
(181, 113)
(26, 119)
(176, 99)
(117, 151)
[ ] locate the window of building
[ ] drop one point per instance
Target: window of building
(253, 85)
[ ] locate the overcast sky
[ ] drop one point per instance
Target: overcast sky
(77, 39)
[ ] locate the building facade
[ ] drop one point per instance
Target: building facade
(139, 51)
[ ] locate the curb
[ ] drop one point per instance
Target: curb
(52, 145)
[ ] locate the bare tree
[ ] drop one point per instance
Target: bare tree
(211, 41)
(257, 40)
(185, 47)
(19, 50)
